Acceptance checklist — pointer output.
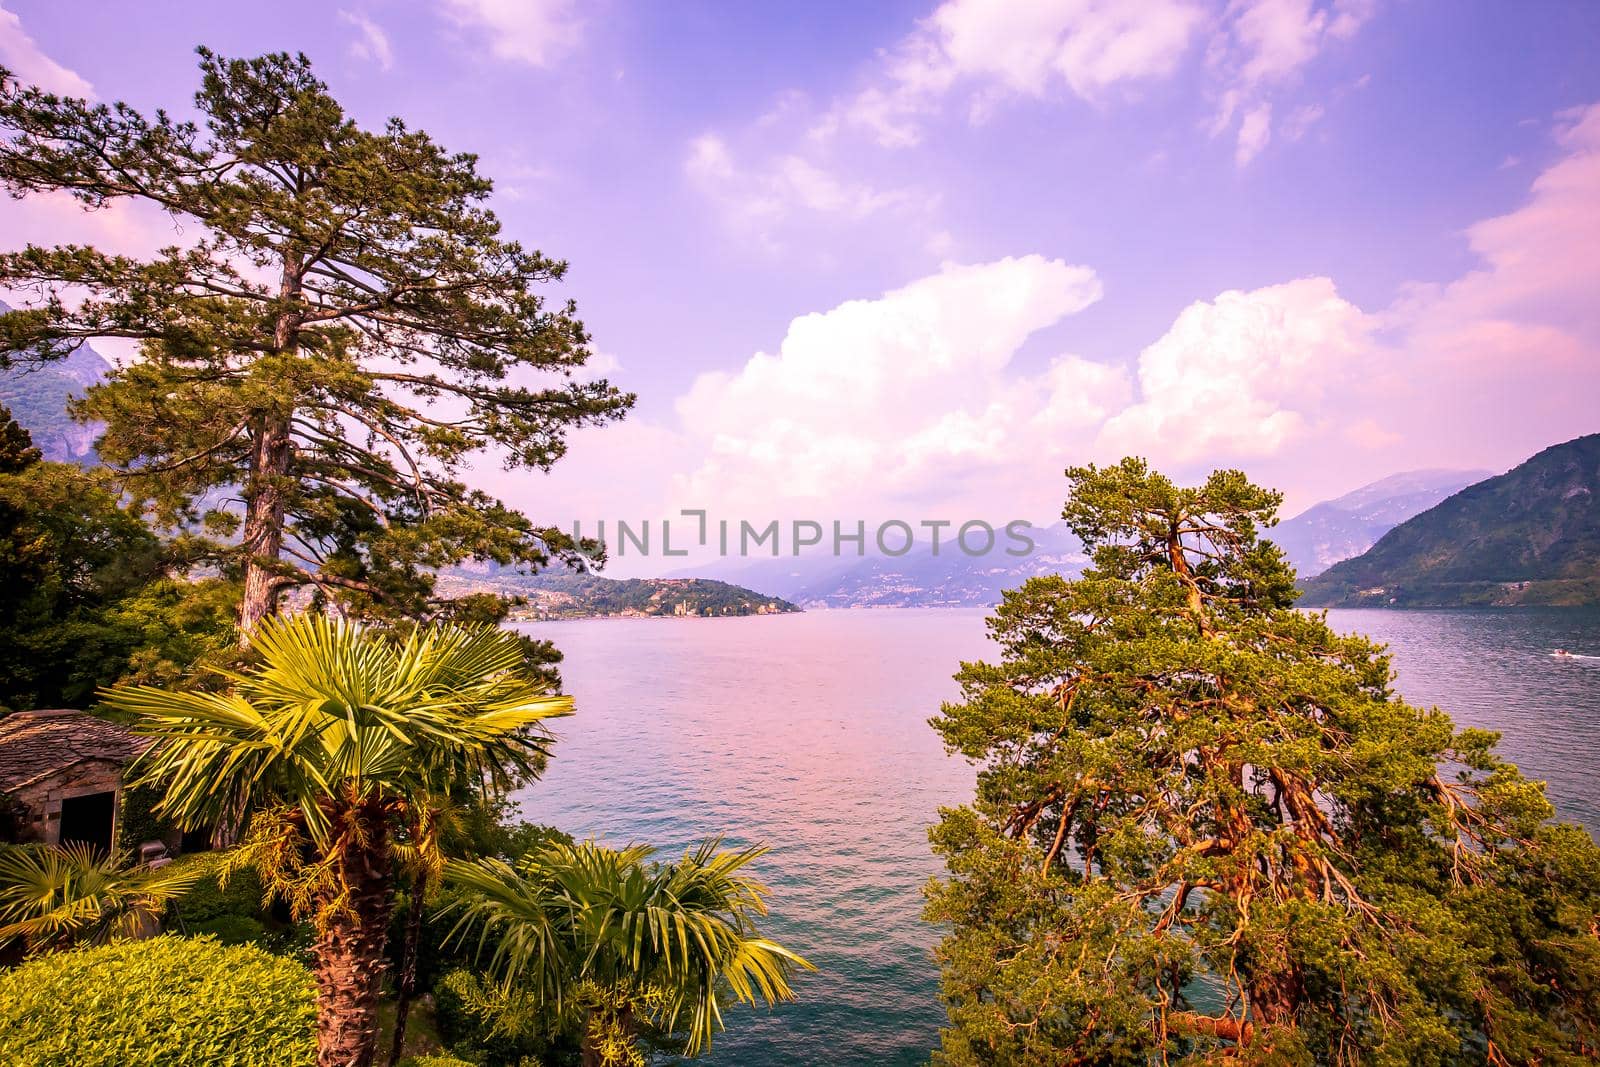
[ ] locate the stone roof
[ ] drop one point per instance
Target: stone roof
(37, 744)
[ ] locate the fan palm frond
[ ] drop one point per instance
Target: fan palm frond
(682, 932)
(54, 895)
(333, 710)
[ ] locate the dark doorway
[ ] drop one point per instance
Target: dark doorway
(89, 819)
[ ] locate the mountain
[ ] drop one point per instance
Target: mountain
(921, 578)
(1338, 529)
(37, 397)
(567, 595)
(1529, 536)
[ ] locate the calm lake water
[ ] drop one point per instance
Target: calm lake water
(809, 733)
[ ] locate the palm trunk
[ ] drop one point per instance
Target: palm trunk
(408, 966)
(349, 952)
(589, 1048)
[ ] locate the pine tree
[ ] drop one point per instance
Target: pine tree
(1206, 828)
(17, 452)
(341, 330)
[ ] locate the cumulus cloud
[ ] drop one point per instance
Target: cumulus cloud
(1243, 374)
(371, 43)
(921, 395)
(536, 32)
(989, 47)
(882, 398)
(22, 56)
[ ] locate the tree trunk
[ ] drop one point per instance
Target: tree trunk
(349, 954)
(271, 450)
(1274, 999)
(263, 524)
(408, 965)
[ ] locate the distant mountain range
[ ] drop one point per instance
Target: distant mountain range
(921, 578)
(1313, 540)
(1428, 537)
(37, 394)
(1347, 526)
(1529, 536)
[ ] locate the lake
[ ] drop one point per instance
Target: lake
(809, 733)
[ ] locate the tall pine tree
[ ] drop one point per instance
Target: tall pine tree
(343, 329)
(1207, 830)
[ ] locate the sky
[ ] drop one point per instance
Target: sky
(913, 259)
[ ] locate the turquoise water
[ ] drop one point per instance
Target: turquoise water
(809, 733)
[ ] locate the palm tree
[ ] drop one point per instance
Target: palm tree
(623, 942)
(52, 896)
(326, 750)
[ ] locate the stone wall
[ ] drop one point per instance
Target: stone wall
(41, 800)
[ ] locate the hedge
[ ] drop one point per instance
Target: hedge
(168, 1001)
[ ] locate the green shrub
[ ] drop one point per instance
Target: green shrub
(176, 1002)
(230, 930)
(442, 1059)
(208, 900)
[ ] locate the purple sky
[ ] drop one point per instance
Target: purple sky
(898, 258)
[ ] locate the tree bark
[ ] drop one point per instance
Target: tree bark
(349, 953)
(270, 453)
(589, 1050)
(408, 965)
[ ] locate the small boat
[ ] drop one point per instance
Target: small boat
(1563, 653)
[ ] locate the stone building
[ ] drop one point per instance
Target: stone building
(61, 772)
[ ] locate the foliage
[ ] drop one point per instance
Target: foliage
(479, 835)
(334, 711)
(54, 895)
(337, 748)
(471, 1025)
(1205, 827)
(435, 1061)
(167, 1001)
(582, 595)
(236, 910)
(170, 632)
(137, 821)
(231, 930)
(85, 600)
(40, 395)
(620, 945)
(213, 897)
(345, 327)
(17, 452)
(1529, 536)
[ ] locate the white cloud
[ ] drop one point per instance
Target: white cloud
(881, 399)
(1255, 130)
(1530, 307)
(536, 32)
(1244, 374)
(758, 199)
(991, 47)
(984, 51)
(1262, 46)
(23, 57)
(925, 401)
(371, 43)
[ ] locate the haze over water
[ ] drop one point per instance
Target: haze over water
(809, 733)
